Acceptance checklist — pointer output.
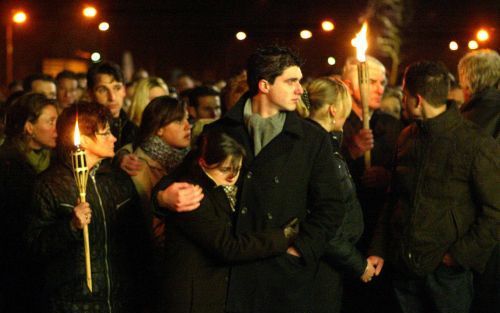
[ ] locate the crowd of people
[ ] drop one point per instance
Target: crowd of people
(255, 195)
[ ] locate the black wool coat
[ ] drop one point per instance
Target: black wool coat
(199, 246)
(292, 176)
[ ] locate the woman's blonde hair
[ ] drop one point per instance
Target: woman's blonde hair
(326, 91)
(141, 97)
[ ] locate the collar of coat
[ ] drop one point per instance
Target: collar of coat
(443, 122)
(292, 122)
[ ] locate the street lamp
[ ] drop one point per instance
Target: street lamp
(18, 17)
(89, 11)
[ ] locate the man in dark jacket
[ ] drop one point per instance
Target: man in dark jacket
(289, 171)
(441, 221)
(106, 86)
(479, 74)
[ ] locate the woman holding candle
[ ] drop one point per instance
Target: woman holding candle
(30, 136)
(118, 237)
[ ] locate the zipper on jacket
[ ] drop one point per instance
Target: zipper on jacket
(108, 298)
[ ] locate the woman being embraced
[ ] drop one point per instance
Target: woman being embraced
(200, 244)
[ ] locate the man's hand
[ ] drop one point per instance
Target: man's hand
(361, 142)
(82, 215)
(292, 251)
(131, 164)
(376, 177)
(377, 262)
(369, 271)
(180, 197)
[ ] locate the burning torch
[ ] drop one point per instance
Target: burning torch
(81, 173)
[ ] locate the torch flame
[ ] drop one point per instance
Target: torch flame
(361, 43)
(76, 136)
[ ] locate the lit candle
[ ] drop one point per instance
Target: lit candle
(361, 44)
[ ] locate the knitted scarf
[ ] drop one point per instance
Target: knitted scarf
(163, 153)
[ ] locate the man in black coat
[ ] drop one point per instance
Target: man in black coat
(442, 218)
(289, 173)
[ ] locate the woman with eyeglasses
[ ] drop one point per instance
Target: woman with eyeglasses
(117, 230)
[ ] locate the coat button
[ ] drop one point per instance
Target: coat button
(276, 179)
(269, 216)
(244, 210)
(249, 175)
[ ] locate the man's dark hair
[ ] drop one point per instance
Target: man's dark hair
(91, 117)
(268, 63)
(28, 80)
(65, 75)
(108, 68)
(201, 91)
(428, 79)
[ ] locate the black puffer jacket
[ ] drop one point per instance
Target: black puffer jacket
(341, 252)
(117, 241)
(444, 196)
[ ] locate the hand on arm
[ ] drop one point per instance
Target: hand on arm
(180, 197)
(131, 164)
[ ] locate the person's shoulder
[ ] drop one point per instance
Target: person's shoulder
(387, 119)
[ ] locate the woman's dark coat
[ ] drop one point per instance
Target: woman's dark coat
(118, 241)
(200, 244)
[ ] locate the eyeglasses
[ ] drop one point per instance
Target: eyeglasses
(105, 133)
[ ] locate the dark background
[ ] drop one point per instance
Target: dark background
(198, 37)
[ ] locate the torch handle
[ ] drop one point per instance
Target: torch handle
(364, 89)
(86, 246)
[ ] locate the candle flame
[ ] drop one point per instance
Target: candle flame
(76, 136)
(361, 43)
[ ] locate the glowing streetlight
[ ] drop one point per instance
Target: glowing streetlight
(327, 26)
(18, 17)
(103, 26)
(241, 35)
(453, 45)
(89, 12)
(305, 34)
(482, 35)
(473, 45)
(331, 60)
(95, 57)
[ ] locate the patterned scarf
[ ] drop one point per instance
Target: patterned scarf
(163, 153)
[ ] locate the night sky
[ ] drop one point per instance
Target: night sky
(198, 36)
